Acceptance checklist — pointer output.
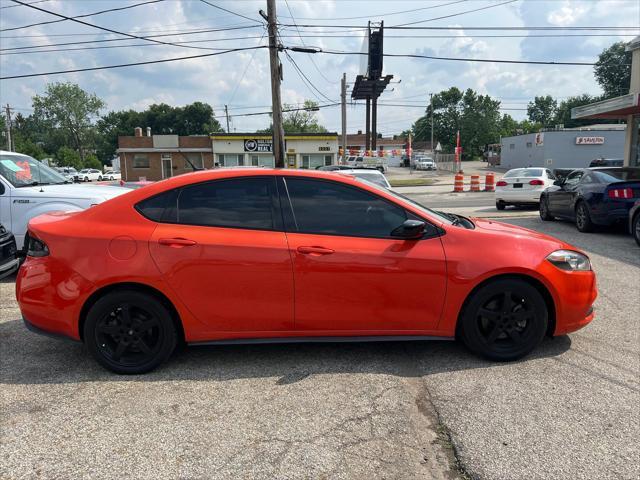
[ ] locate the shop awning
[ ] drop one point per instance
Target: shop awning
(618, 107)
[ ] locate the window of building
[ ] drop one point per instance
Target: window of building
(262, 160)
(328, 159)
(512, 146)
(529, 144)
(195, 159)
(236, 203)
(140, 160)
(230, 160)
(329, 208)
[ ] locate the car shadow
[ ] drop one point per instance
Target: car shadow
(28, 358)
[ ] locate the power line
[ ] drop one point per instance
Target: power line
(252, 114)
(150, 62)
(82, 16)
(82, 22)
(433, 27)
(32, 3)
(231, 12)
(305, 79)
(455, 14)
(245, 70)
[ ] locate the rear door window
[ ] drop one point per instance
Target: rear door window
(330, 208)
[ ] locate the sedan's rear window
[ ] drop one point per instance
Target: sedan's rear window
(524, 172)
(618, 175)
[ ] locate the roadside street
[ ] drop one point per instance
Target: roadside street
(387, 410)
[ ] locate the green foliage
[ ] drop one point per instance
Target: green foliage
(613, 70)
(91, 161)
(542, 110)
(299, 121)
(68, 157)
(563, 115)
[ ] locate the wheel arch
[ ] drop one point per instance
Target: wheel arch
(534, 282)
(131, 286)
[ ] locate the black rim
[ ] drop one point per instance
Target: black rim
(129, 335)
(505, 321)
(581, 216)
(543, 208)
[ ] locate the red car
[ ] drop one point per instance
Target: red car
(258, 255)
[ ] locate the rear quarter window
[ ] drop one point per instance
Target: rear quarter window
(160, 208)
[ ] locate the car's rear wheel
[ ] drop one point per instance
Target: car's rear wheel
(500, 205)
(544, 210)
(129, 332)
(504, 320)
(635, 228)
(583, 218)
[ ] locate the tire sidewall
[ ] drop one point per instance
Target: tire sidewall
(107, 304)
(587, 226)
(634, 228)
(469, 329)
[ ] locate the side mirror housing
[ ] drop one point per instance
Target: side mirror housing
(410, 230)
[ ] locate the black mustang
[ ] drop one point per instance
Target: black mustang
(592, 196)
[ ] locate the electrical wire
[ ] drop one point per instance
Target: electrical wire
(303, 77)
(122, 65)
(231, 12)
(32, 3)
(455, 14)
(233, 94)
(82, 16)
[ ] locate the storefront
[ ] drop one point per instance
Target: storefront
(304, 150)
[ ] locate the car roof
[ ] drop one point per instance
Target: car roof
(2, 152)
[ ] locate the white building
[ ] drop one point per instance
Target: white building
(302, 150)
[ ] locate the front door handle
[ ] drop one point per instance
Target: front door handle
(315, 250)
(176, 242)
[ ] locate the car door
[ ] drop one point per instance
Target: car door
(350, 274)
(221, 248)
(561, 198)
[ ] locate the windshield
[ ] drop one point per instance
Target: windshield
(373, 178)
(618, 175)
(22, 171)
(524, 172)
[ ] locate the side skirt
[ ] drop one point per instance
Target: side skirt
(352, 339)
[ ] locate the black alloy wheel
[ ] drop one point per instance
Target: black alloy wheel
(544, 210)
(583, 218)
(504, 320)
(635, 228)
(129, 332)
(500, 205)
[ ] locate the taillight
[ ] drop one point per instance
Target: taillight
(621, 193)
(536, 182)
(37, 248)
(501, 183)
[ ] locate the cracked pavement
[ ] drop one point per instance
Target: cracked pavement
(328, 411)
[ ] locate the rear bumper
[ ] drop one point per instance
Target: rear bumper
(518, 195)
(40, 331)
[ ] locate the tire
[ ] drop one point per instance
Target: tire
(100, 178)
(583, 218)
(500, 205)
(504, 320)
(544, 210)
(635, 228)
(86, 179)
(129, 332)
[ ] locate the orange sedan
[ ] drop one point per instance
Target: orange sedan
(258, 255)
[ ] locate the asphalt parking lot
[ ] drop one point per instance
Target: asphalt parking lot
(387, 410)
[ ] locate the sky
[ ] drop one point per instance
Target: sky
(241, 79)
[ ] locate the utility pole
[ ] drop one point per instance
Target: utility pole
(276, 77)
(344, 114)
(8, 127)
(226, 112)
(432, 148)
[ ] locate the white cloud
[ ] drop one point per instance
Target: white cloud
(567, 14)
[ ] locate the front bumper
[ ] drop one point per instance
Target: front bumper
(9, 267)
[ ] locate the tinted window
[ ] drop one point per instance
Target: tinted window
(240, 203)
(160, 208)
(330, 208)
(618, 175)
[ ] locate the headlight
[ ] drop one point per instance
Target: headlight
(569, 260)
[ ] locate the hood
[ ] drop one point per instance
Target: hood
(70, 191)
(520, 234)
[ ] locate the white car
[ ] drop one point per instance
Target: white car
(522, 186)
(425, 163)
(111, 176)
(89, 175)
(369, 174)
(70, 173)
(29, 188)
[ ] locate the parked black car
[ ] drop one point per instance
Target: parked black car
(634, 221)
(607, 162)
(592, 196)
(9, 262)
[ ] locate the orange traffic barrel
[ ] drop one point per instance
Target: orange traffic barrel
(490, 183)
(475, 183)
(458, 184)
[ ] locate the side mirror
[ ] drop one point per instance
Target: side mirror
(410, 230)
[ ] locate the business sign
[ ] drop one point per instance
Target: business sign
(589, 140)
(253, 145)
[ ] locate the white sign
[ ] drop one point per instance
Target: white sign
(539, 139)
(589, 140)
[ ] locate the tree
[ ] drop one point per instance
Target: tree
(67, 108)
(563, 114)
(542, 110)
(297, 120)
(68, 157)
(613, 70)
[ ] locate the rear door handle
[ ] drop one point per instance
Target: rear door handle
(176, 242)
(315, 250)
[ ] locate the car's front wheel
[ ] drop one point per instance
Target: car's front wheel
(129, 332)
(544, 210)
(504, 320)
(635, 228)
(86, 179)
(500, 205)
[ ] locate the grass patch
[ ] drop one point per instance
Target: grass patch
(411, 182)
